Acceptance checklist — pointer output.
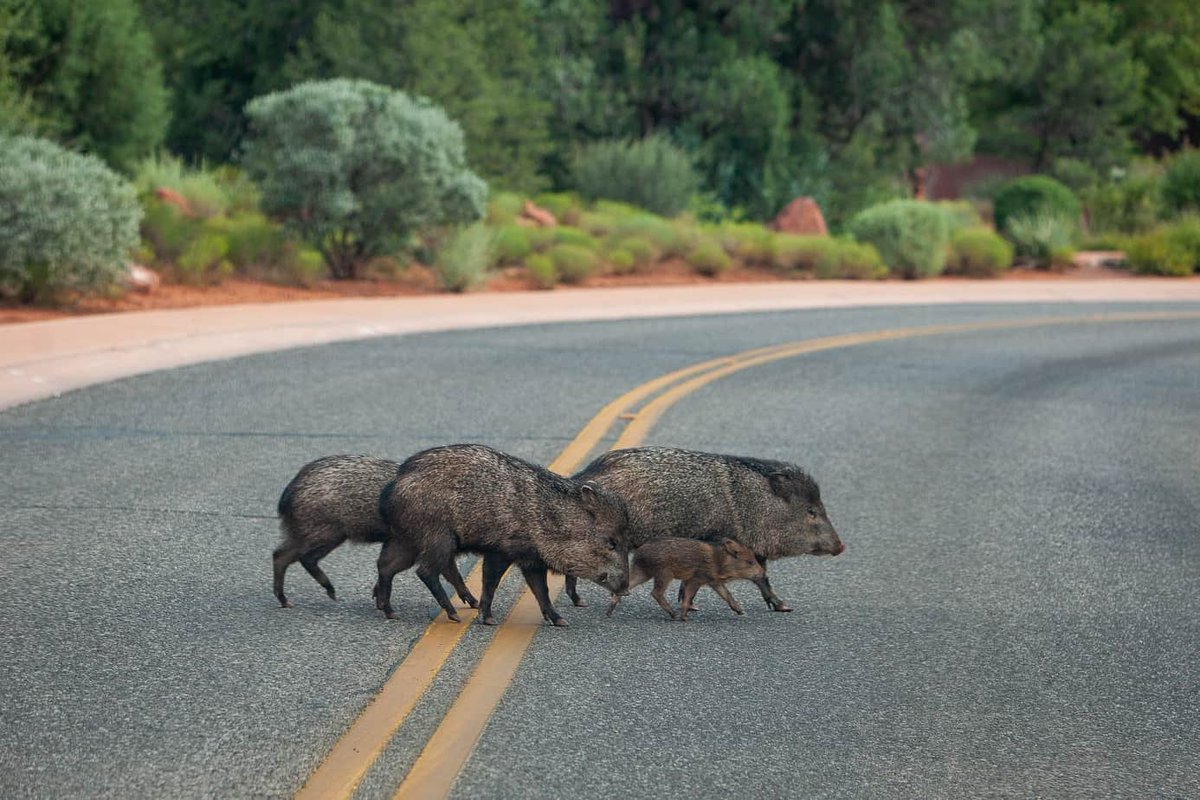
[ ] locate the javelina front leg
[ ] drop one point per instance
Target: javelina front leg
(455, 578)
(571, 585)
(689, 592)
(768, 594)
(494, 567)
(535, 577)
(720, 589)
(659, 593)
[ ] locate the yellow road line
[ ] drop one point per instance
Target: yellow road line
(439, 763)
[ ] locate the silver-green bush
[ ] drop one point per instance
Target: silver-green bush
(67, 222)
(357, 168)
(652, 174)
(910, 235)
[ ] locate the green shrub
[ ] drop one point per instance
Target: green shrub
(541, 268)
(748, 241)
(643, 251)
(67, 222)
(540, 238)
(851, 260)
(254, 241)
(663, 234)
(565, 206)
(358, 168)
(1062, 258)
(618, 210)
(599, 223)
(202, 188)
(979, 253)
(167, 231)
(1181, 183)
(910, 235)
(1076, 174)
(512, 244)
(960, 214)
(1127, 204)
(792, 253)
(709, 258)
(306, 268)
(203, 260)
(1167, 250)
(652, 174)
(463, 260)
(572, 262)
(503, 208)
(1037, 237)
(1032, 196)
(621, 261)
(574, 236)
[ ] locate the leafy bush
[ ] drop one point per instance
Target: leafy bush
(794, 253)
(574, 236)
(979, 253)
(1168, 250)
(541, 268)
(504, 207)
(621, 261)
(666, 236)
(851, 260)
(960, 214)
(652, 174)
(1039, 236)
(572, 262)
(748, 241)
(1130, 203)
(203, 189)
(565, 206)
(167, 230)
(357, 168)
(203, 260)
(67, 222)
(254, 241)
(643, 251)
(512, 245)
(1032, 196)
(709, 258)
(1181, 183)
(910, 235)
(462, 262)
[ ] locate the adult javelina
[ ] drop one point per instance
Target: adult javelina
(329, 501)
(695, 563)
(772, 507)
(472, 498)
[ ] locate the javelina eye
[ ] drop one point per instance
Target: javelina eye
(612, 544)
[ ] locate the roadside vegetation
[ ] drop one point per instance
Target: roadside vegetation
(558, 158)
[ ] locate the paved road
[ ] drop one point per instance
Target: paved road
(1017, 612)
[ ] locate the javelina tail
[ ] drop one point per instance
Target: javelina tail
(385, 497)
(287, 499)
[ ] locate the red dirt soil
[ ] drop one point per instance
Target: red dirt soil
(420, 281)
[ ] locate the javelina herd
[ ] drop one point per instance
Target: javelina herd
(702, 518)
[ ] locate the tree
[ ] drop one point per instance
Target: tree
(357, 168)
(84, 74)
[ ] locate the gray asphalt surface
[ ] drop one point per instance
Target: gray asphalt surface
(1016, 613)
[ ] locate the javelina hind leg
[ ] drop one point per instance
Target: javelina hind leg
(282, 558)
(571, 585)
(494, 567)
(455, 578)
(432, 579)
(768, 594)
(535, 577)
(394, 557)
(720, 589)
(659, 593)
(309, 562)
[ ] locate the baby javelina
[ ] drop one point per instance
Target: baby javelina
(696, 563)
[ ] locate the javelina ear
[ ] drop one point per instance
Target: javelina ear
(782, 484)
(731, 546)
(587, 493)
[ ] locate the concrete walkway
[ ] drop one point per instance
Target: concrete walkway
(44, 359)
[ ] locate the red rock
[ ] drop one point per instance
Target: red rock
(539, 215)
(802, 216)
(174, 198)
(141, 279)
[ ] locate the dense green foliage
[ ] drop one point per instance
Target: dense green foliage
(66, 221)
(652, 174)
(1044, 238)
(463, 261)
(357, 168)
(911, 236)
(1181, 183)
(1032, 196)
(978, 252)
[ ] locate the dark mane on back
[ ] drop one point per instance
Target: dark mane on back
(803, 483)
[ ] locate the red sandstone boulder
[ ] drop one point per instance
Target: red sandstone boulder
(802, 216)
(538, 215)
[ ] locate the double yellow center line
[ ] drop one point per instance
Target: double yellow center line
(436, 768)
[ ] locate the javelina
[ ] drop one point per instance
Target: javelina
(329, 501)
(695, 563)
(472, 498)
(772, 507)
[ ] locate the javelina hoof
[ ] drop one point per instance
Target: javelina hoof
(779, 605)
(579, 602)
(561, 623)
(285, 603)
(471, 601)
(331, 594)
(389, 613)
(452, 615)
(488, 620)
